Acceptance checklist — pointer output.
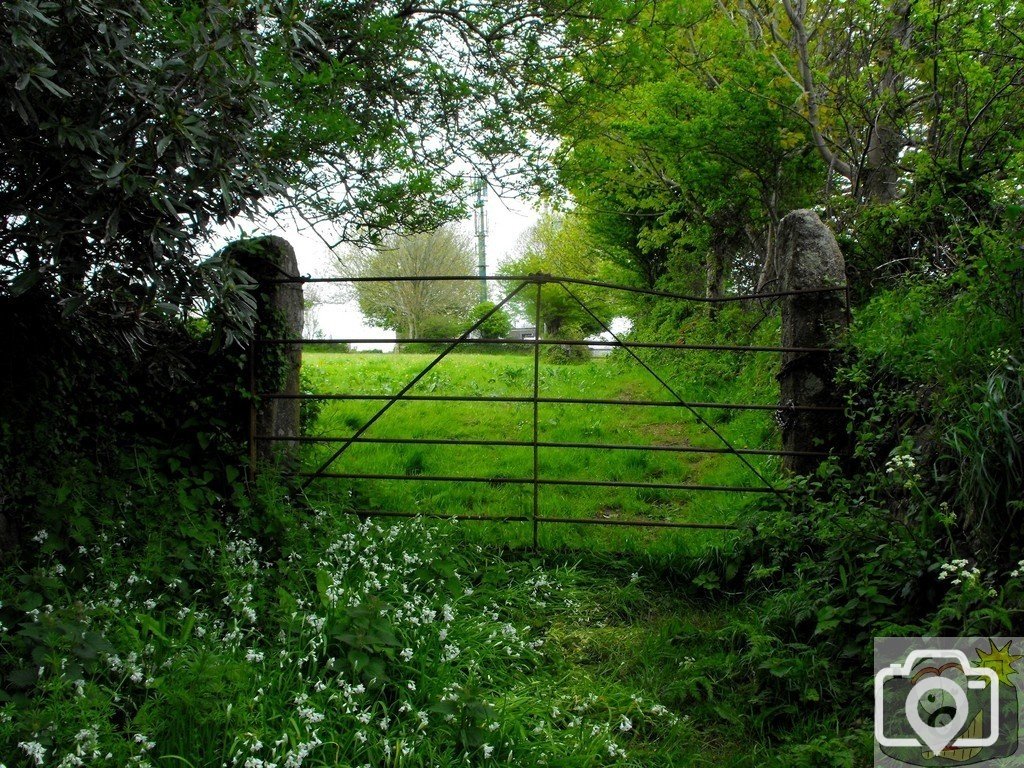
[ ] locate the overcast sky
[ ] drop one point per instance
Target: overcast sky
(507, 220)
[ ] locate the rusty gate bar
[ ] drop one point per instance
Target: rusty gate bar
(563, 343)
(555, 401)
(364, 513)
(536, 481)
(544, 481)
(542, 444)
(535, 278)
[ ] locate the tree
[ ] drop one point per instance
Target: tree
(497, 326)
(312, 301)
(887, 83)
(706, 121)
(560, 246)
(680, 153)
(132, 127)
(409, 307)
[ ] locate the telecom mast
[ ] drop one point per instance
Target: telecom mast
(480, 225)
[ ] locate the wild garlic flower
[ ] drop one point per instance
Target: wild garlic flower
(34, 750)
(1000, 356)
(904, 465)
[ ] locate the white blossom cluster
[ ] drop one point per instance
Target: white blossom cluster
(960, 570)
(1001, 358)
(315, 674)
(905, 466)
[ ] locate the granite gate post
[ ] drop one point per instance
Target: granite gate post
(808, 258)
(273, 367)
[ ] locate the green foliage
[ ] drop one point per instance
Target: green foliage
(561, 246)
(497, 326)
(97, 90)
(137, 127)
(681, 155)
(955, 395)
(986, 441)
(75, 395)
(946, 224)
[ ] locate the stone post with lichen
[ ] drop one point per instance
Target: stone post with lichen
(807, 258)
(273, 368)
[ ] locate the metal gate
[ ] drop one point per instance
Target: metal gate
(333, 467)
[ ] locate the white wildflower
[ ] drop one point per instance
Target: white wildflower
(34, 749)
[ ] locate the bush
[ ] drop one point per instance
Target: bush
(91, 386)
(566, 354)
(985, 442)
(497, 326)
(915, 535)
(434, 328)
(328, 349)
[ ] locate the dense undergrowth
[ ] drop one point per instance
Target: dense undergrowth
(288, 636)
(159, 610)
(917, 534)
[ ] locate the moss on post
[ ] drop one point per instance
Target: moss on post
(274, 368)
(808, 258)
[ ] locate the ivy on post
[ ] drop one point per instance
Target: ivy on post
(807, 262)
(273, 367)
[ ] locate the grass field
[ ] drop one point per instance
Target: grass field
(512, 376)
